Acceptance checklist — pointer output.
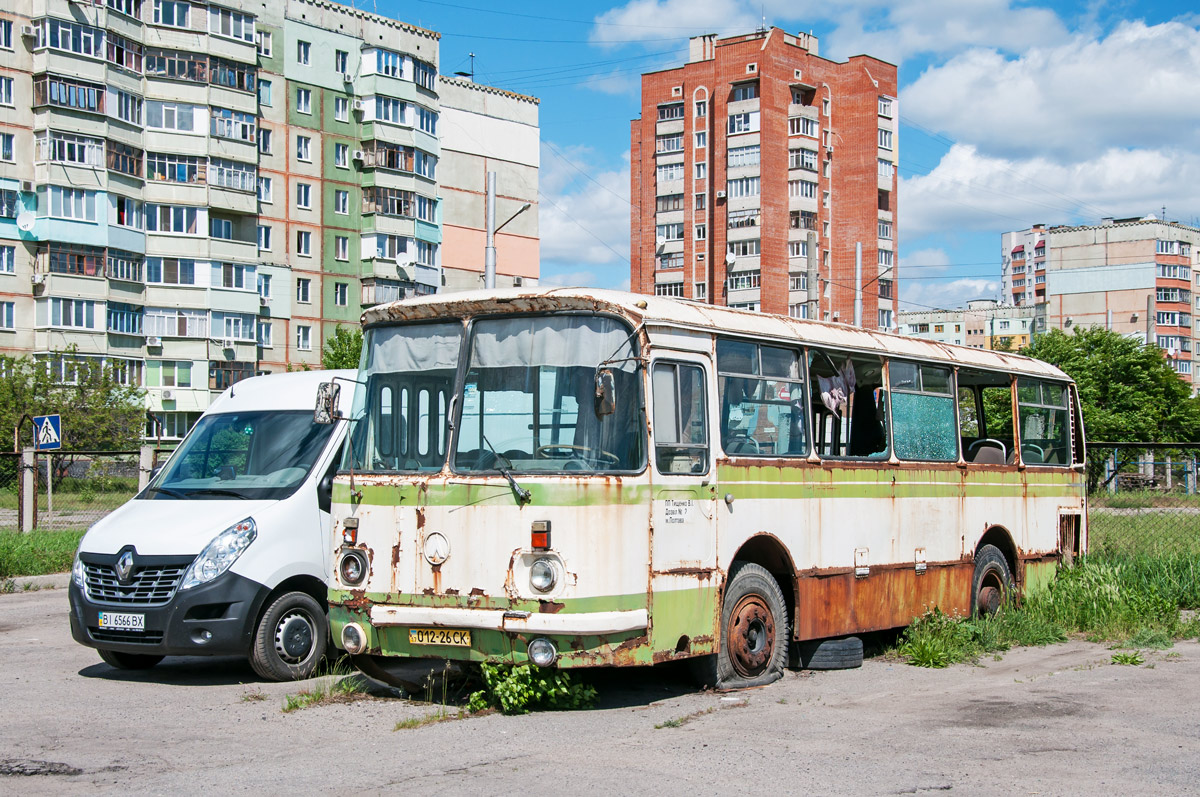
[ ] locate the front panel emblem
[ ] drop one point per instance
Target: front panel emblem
(437, 549)
(125, 566)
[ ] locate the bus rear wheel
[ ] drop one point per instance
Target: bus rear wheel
(992, 586)
(754, 632)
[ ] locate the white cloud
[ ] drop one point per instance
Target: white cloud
(970, 191)
(652, 21)
(584, 213)
(946, 295)
(1135, 87)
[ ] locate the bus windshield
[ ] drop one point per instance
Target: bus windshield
(529, 398)
(243, 455)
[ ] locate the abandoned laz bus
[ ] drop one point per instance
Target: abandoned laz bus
(579, 478)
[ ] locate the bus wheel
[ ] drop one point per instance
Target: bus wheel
(754, 632)
(993, 582)
(291, 638)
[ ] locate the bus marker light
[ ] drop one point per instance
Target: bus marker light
(542, 652)
(539, 535)
(353, 638)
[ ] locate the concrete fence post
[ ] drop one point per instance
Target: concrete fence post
(28, 491)
(145, 466)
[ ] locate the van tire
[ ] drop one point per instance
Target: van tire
(129, 661)
(760, 627)
(291, 638)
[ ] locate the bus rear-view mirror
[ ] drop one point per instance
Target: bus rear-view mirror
(327, 402)
(606, 393)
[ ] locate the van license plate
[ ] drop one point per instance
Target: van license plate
(122, 622)
(457, 637)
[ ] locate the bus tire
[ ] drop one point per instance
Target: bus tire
(992, 585)
(754, 632)
(291, 638)
(129, 661)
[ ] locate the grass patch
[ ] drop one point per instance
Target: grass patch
(37, 553)
(679, 722)
(443, 714)
(1102, 598)
(339, 684)
(1128, 659)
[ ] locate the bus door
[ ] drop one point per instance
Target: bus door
(683, 528)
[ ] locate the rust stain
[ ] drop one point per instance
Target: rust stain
(835, 602)
(550, 607)
(701, 573)
(427, 591)
(396, 555)
(420, 519)
(437, 578)
(476, 592)
(450, 591)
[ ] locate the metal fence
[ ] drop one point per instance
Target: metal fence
(77, 489)
(1143, 498)
(10, 490)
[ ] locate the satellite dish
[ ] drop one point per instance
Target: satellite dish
(25, 221)
(730, 258)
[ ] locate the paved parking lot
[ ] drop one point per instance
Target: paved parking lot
(1058, 720)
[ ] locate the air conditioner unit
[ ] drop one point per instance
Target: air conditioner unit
(153, 340)
(360, 105)
(228, 343)
(720, 195)
(264, 301)
(27, 186)
(359, 154)
(347, 77)
(37, 279)
(168, 394)
(28, 30)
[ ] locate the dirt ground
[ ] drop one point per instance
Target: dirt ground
(1046, 721)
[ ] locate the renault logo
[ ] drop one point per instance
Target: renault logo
(125, 566)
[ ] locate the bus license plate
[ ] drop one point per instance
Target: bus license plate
(122, 622)
(439, 636)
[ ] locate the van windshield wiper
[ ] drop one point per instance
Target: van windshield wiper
(523, 495)
(167, 491)
(218, 491)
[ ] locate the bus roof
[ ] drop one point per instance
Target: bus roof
(666, 312)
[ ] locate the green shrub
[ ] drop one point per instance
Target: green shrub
(525, 688)
(37, 553)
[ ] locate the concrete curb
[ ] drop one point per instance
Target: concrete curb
(34, 583)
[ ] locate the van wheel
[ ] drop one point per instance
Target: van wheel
(754, 632)
(129, 661)
(992, 585)
(291, 638)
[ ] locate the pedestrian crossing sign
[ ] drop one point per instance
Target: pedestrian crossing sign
(47, 432)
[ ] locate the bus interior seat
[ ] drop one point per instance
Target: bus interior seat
(987, 451)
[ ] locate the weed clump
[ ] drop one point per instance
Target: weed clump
(524, 688)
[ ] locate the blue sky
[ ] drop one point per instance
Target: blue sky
(1011, 113)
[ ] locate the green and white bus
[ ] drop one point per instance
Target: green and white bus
(580, 478)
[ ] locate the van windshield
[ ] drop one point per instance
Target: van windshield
(264, 455)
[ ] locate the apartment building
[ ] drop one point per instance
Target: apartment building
(982, 324)
(763, 177)
(1135, 276)
(196, 193)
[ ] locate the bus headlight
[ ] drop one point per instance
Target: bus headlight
(543, 575)
(542, 652)
(353, 639)
(352, 569)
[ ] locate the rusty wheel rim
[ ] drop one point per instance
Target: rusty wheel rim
(751, 636)
(991, 593)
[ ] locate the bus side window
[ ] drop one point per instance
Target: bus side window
(762, 400)
(680, 419)
(849, 405)
(923, 412)
(985, 409)
(1045, 427)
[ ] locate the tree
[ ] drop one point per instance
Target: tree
(1128, 391)
(343, 348)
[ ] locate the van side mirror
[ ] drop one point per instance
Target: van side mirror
(327, 402)
(606, 393)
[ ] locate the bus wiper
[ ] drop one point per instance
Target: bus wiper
(523, 495)
(219, 491)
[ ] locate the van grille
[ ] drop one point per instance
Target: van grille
(128, 637)
(151, 585)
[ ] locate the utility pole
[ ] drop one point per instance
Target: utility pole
(858, 309)
(489, 252)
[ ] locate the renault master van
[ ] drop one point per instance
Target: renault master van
(226, 549)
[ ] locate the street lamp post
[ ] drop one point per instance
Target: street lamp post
(489, 252)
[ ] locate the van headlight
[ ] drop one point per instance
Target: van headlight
(220, 554)
(79, 574)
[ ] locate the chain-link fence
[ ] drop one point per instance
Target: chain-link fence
(1143, 498)
(78, 488)
(10, 490)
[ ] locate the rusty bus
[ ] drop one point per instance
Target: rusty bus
(587, 478)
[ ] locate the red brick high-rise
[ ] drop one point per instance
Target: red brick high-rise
(757, 167)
